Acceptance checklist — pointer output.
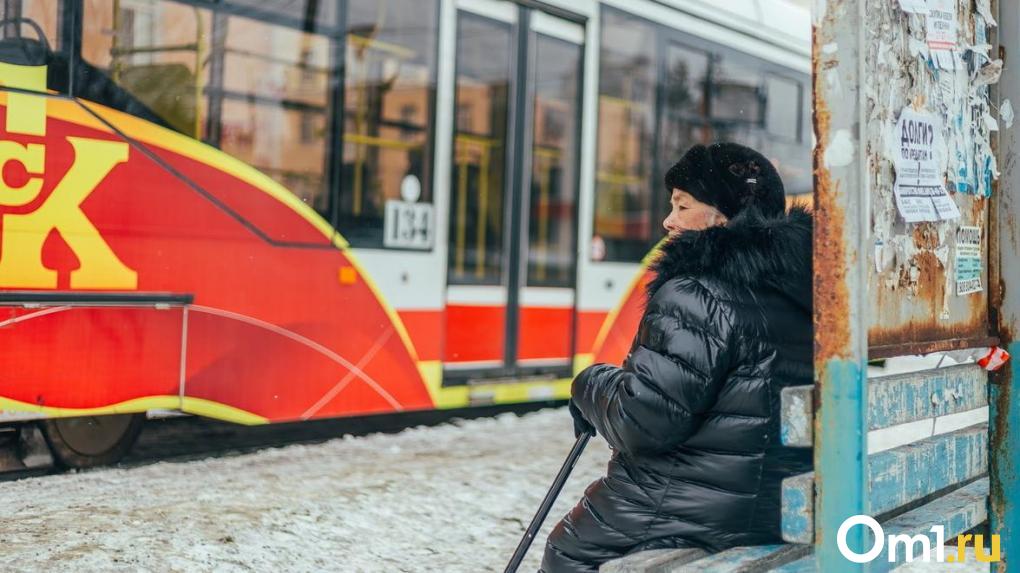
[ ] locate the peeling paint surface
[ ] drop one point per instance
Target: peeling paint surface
(881, 284)
(840, 329)
(894, 400)
(896, 477)
(840, 151)
(957, 512)
(797, 416)
(914, 302)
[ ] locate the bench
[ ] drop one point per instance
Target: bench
(927, 465)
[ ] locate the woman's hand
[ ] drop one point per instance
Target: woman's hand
(581, 426)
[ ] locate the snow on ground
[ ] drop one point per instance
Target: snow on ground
(445, 499)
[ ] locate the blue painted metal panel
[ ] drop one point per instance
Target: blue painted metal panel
(1004, 411)
(898, 476)
(840, 462)
(798, 511)
(1004, 468)
(894, 400)
(905, 398)
(957, 512)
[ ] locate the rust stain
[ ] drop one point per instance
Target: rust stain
(923, 278)
(928, 333)
(993, 242)
(931, 283)
(922, 333)
(977, 210)
(904, 281)
(999, 430)
(1011, 225)
(926, 236)
(999, 424)
(911, 348)
(832, 327)
(979, 309)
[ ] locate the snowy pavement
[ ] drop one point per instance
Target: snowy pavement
(445, 499)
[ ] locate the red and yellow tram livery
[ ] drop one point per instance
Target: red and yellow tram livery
(152, 259)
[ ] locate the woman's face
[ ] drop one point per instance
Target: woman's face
(689, 214)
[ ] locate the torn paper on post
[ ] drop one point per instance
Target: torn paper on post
(984, 7)
(947, 59)
(1006, 113)
(989, 73)
(940, 25)
(914, 6)
(920, 189)
(918, 49)
(968, 260)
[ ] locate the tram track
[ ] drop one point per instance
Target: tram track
(189, 438)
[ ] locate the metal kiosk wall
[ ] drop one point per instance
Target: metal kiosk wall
(909, 207)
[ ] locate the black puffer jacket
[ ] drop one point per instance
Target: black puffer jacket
(693, 414)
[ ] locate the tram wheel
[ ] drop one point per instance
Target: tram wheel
(92, 440)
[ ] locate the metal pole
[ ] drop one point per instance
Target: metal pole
(547, 503)
(1004, 408)
(840, 258)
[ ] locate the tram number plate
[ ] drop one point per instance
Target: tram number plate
(408, 225)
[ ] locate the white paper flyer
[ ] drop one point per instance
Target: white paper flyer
(920, 187)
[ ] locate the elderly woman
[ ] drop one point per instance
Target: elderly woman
(692, 417)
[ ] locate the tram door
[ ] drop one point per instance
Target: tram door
(513, 194)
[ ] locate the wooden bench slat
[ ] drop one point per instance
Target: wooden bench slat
(652, 561)
(798, 511)
(957, 511)
(896, 477)
(894, 400)
(743, 559)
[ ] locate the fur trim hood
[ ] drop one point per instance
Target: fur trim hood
(750, 250)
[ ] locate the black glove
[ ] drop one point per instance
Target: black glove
(581, 426)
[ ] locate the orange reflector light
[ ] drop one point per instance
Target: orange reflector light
(348, 275)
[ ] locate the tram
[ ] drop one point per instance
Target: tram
(267, 211)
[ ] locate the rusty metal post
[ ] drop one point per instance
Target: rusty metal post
(840, 258)
(1004, 461)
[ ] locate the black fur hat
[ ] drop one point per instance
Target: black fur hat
(729, 177)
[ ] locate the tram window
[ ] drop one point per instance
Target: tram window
(782, 108)
(737, 94)
(551, 227)
(20, 42)
(686, 72)
(683, 113)
(799, 177)
(388, 109)
(479, 165)
(306, 14)
(274, 106)
(627, 80)
(155, 50)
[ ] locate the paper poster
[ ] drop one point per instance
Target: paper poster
(947, 59)
(940, 24)
(914, 6)
(984, 8)
(919, 189)
(1006, 113)
(968, 260)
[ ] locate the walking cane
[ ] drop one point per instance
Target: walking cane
(550, 497)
